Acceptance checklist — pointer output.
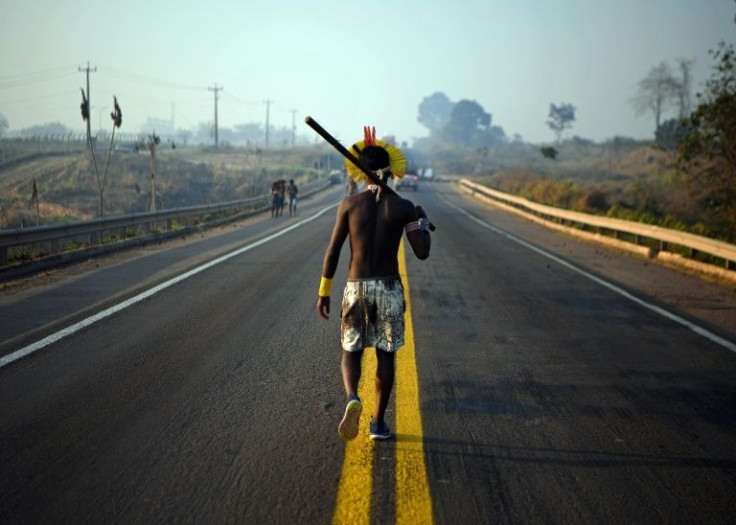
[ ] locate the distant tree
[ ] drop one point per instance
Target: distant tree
(655, 93)
(3, 125)
(581, 142)
(469, 125)
(561, 118)
(117, 121)
(549, 152)
(496, 135)
(683, 86)
(708, 153)
(434, 112)
(670, 133)
(249, 133)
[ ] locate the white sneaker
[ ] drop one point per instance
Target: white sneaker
(348, 427)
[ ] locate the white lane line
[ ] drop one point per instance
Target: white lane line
(661, 311)
(38, 345)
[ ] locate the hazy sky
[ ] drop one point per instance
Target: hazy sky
(349, 63)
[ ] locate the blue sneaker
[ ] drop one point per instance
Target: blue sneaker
(380, 430)
(348, 427)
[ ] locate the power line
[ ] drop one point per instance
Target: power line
(51, 70)
(57, 72)
(35, 98)
(32, 78)
(242, 100)
(123, 75)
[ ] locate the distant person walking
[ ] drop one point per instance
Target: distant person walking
(292, 191)
(277, 197)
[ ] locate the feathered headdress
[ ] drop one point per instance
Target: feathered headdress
(397, 161)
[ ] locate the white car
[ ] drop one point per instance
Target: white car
(410, 180)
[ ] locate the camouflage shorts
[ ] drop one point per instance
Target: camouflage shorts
(373, 314)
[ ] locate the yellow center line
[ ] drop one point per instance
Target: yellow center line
(413, 500)
(353, 505)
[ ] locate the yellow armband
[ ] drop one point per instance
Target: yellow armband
(325, 287)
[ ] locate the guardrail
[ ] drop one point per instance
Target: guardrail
(55, 238)
(664, 237)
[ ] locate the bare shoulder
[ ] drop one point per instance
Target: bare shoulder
(406, 210)
(351, 201)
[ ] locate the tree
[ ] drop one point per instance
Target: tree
(434, 112)
(683, 86)
(469, 125)
(117, 121)
(670, 133)
(3, 124)
(655, 93)
(250, 132)
(561, 118)
(550, 153)
(708, 152)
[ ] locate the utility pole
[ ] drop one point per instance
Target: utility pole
(216, 88)
(268, 103)
(153, 141)
(293, 127)
(89, 103)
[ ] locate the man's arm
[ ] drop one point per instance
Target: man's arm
(417, 232)
(332, 255)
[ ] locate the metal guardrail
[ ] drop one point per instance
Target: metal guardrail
(93, 232)
(694, 243)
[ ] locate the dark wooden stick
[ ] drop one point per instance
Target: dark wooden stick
(346, 153)
(352, 158)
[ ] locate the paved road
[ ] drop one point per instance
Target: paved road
(556, 383)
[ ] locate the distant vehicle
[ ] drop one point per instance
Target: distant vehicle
(428, 174)
(336, 176)
(410, 180)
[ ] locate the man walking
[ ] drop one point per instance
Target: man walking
(373, 302)
(292, 191)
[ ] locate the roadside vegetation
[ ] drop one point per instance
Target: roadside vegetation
(184, 176)
(684, 178)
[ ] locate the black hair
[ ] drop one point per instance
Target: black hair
(375, 157)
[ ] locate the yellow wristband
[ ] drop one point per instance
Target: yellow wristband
(325, 287)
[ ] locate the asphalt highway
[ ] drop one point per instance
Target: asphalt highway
(548, 381)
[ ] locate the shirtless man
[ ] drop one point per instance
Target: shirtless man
(373, 302)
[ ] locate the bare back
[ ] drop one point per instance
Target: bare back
(375, 230)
